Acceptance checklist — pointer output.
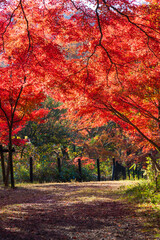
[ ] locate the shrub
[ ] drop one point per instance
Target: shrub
(48, 172)
(44, 173)
(144, 192)
(22, 174)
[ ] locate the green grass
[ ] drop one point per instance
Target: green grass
(144, 197)
(143, 192)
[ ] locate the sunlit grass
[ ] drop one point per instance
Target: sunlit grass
(143, 192)
(146, 201)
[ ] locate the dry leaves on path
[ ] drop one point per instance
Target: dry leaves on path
(63, 211)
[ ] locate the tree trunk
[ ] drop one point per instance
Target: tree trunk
(10, 157)
(98, 170)
(31, 169)
(113, 169)
(2, 164)
(7, 174)
(80, 169)
(59, 164)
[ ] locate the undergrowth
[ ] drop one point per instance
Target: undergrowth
(143, 192)
(145, 196)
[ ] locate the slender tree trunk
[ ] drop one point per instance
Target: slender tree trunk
(31, 169)
(7, 174)
(10, 157)
(133, 174)
(80, 169)
(128, 172)
(98, 170)
(59, 164)
(2, 164)
(113, 169)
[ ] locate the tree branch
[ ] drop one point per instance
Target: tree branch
(10, 19)
(133, 23)
(29, 36)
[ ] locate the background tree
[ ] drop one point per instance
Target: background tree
(52, 131)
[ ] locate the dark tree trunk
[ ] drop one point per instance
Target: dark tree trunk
(59, 164)
(2, 164)
(7, 174)
(113, 169)
(80, 169)
(31, 169)
(10, 158)
(138, 173)
(98, 170)
(133, 174)
(128, 172)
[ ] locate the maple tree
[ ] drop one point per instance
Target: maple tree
(19, 98)
(118, 76)
(101, 57)
(20, 92)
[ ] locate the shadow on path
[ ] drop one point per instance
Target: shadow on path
(68, 211)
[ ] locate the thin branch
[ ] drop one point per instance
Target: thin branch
(151, 49)
(133, 23)
(29, 36)
(10, 19)
(104, 48)
(154, 30)
(100, 29)
(99, 25)
(125, 119)
(16, 103)
(80, 9)
(5, 114)
(141, 109)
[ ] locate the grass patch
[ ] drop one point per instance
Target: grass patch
(143, 192)
(146, 200)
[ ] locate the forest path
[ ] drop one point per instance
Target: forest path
(64, 211)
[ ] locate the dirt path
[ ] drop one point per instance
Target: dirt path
(64, 211)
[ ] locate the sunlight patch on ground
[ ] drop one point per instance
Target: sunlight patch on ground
(15, 229)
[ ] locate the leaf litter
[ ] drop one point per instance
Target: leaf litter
(59, 211)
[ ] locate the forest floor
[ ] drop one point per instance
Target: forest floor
(64, 211)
